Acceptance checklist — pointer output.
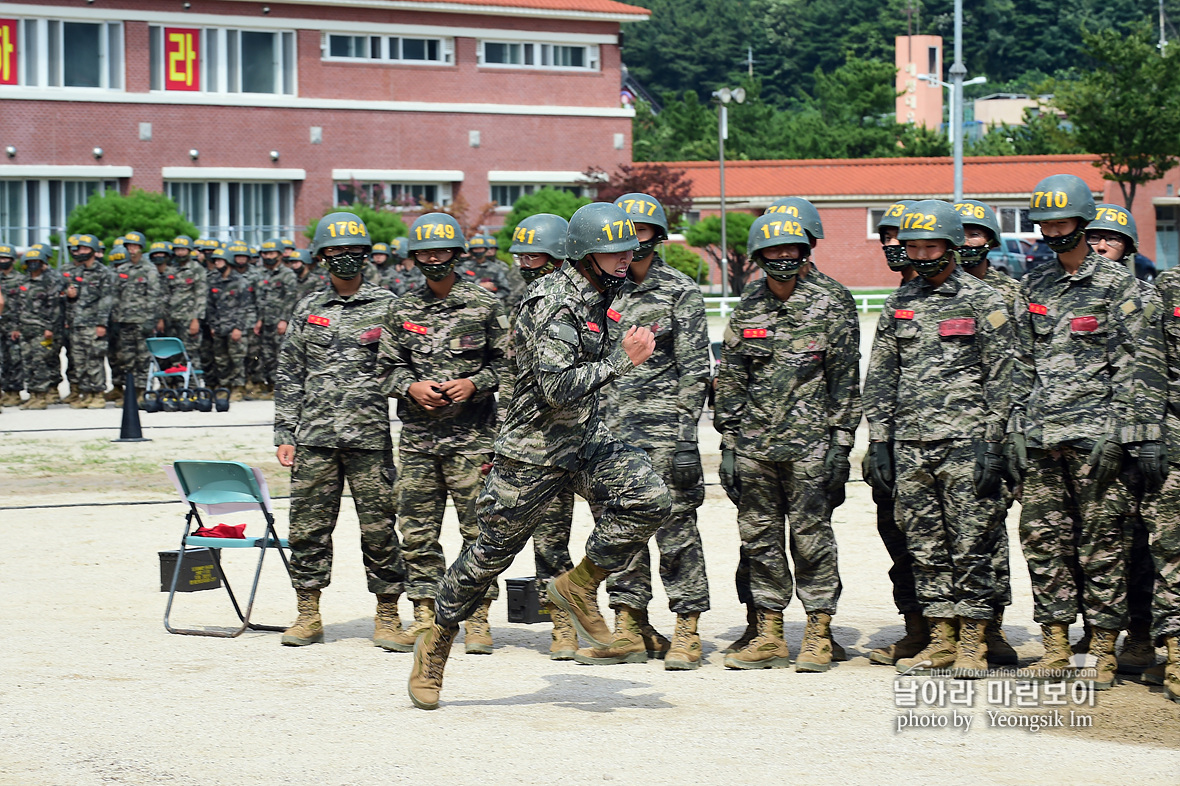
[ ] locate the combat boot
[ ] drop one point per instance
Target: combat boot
(815, 654)
(684, 654)
(565, 639)
(114, 394)
(308, 627)
(576, 592)
(387, 623)
(80, 400)
(1138, 651)
(237, 393)
(431, 651)
(477, 631)
(917, 636)
(971, 657)
(767, 650)
(1083, 644)
(1054, 663)
(9, 398)
(940, 653)
(73, 396)
(96, 401)
(627, 645)
(999, 651)
(1102, 648)
(750, 632)
(1172, 669)
(403, 640)
(36, 401)
(657, 646)
(264, 392)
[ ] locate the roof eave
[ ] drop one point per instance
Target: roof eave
(463, 8)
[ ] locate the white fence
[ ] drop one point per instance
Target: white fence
(724, 306)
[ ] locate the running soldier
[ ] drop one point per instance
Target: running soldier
(90, 294)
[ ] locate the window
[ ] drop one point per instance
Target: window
(1014, 220)
(395, 195)
(506, 194)
(56, 53)
(530, 55)
(32, 210)
(398, 49)
(1167, 242)
(213, 60)
(250, 211)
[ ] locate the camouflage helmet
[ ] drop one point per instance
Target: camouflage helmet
(400, 247)
(543, 233)
(778, 229)
(1061, 196)
(436, 231)
(1116, 218)
(182, 241)
(160, 247)
(80, 241)
(136, 238)
(645, 209)
(479, 241)
(972, 212)
(891, 218)
(7, 251)
(802, 211)
(380, 248)
(599, 228)
(931, 219)
(220, 252)
(118, 253)
(273, 244)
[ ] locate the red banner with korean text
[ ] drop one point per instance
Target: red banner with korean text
(9, 54)
(182, 58)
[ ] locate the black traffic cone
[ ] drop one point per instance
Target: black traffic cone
(130, 431)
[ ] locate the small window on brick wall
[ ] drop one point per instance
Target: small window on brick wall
(394, 49)
(519, 54)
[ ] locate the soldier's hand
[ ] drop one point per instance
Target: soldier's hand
(281, 327)
(194, 326)
(1153, 465)
(989, 466)
(729, 475)
(258, 328)
(1016, 456)
(286, 455)
(14, 335)
(159, 326)
(424, 395)
(639, 342)
(880, 458)
(686, 465)
(235, 335)
(458, 389)
(838, 468)
(100, 331)
(71, 292)
(1106, 461)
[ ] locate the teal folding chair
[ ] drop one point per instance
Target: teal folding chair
(217, 488)
(161, 350)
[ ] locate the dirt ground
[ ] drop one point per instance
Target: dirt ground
(95, 691)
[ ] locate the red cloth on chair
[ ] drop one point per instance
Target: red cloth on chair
(237, 531)
(176, 370)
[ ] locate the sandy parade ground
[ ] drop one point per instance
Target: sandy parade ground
(93, 690)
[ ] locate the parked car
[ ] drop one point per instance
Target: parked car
(1009, 258)
(1036, 253)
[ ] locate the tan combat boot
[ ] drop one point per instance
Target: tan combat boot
(657, 645)
(477, 631)
(767, 650)
(750, 632)
(237, 393)
(940, 653)
(684, 654)
(80, 400)
(96, 401)
(387, 623)
(73, 396)
(264, 392)
(9, 398)
(917, 636)
(1172, 669)
(1138, 651)
(114, 394)
(576, 592)
(308, 627)
(627, 645)
(1083, 644)
(565, 639)
(971, 658)
(815, 654)
(403, 640)
(1054, 664)
(431, 651)
(1102, 648)
(36, 401)
(999, 651)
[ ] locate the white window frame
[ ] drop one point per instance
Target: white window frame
(578, 189)
(386, 188)
(539, 56)
(44, 207)
(1031, 233)
(382, 44)
(35, 70)
(230, 227)
(217, 76)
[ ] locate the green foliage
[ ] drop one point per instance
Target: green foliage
(112, 214)
(670, 187)
(706, 234)
(1043, 133)
(685, 261)
(383, 225)
(544, 200)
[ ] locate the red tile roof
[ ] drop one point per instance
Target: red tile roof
(575, 6)
(882, 178)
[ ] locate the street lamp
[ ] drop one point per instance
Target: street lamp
(723, 97)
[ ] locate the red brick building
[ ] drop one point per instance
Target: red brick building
(256, 116)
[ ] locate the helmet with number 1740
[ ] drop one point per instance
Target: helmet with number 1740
(802, 211)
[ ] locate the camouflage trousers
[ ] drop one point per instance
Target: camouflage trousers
(87, 355)
(268, 353)
(1161, 517)
(901, 574)
(12, 375)
(423, 484)
(777, 495)
(130, 352)
(317, 482)
(229, 361)
(1140, 570)
(192, 343)
(682, 557)
(206, 362)
(635, 502)
(253, 362)
(65, 342)
(551, 542)
(951, 533)
(1072, 536)
(42, 361)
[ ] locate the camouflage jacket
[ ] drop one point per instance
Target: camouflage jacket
(96, 295)
(327, 391)
(1077, 349)
(275, 295)
(1168, 289)
(402, 281)
(941, 365)
(1008, 287)
(848, 307)
(564, 357)
(787, 383)
(490, 270)
(312, 281)
(187, 293)
(463, 335)
(10, 282)
(230, 306)
(1151, 382)
(138, 298)
(41, 304)
(659, 403)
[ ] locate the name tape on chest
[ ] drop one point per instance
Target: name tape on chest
(903, 313)
(964, 326)
(318, 320)
(1037, 308)
(419, 329)
(754, 333)
(1083, 324)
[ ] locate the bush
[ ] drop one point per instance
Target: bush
(546, 200)
(383, 225)
(686, 262)
(112, 214)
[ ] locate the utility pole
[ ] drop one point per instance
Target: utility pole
(958, 71)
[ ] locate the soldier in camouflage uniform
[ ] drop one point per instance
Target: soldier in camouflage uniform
(332, 424)
(442, 354)
(136, 313)
(12, 379)
(787, 409)
(90, 293)
(554, 439)
(656, 408)
(379, 271)
(230, 315)
(405, 274)
(485, 269)
(240, 260)
(188, 298)
(1075, 399)
(937, 397)
(40, 324)
(308, 278)
(275, 293)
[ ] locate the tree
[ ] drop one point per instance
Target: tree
(706, 234)
(1126, 110)
(470, 222)
(544, 200)
(685, 261)
(670, 187)
(383, 224)
(1043, 133)
(112, 214)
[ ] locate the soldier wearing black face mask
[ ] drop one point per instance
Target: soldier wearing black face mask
(89, 294)
(11, 366)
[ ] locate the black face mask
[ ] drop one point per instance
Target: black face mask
(929, 268)
(82, 255)
(781, 269)
(531, 274)
(895, 257)
(33, 265)
(346, 266)
(972, 256)
(1066, 243)
(646, 248)
(6, 264)
(610, 283)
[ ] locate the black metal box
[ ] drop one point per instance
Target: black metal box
(523, 604)
(196, 571)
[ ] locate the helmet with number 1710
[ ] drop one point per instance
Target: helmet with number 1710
(1061, 196)
(599, 228)
(802, 211)
(1116, 218)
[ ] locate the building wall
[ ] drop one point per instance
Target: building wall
(918, 102)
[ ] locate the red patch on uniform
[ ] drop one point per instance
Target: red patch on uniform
(171, 277)
(215, 290)
(754, 333)
(188, 281)
(957, 327)
(124, 275)
(594, 327)
(321, 321)
(140, 280)
(1037, 308)
(419, 329)
(371, 335)
(613, 315)
(24, 288)
(1083, 324)
(79, 278)
(1176, 311)
(902, 313)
